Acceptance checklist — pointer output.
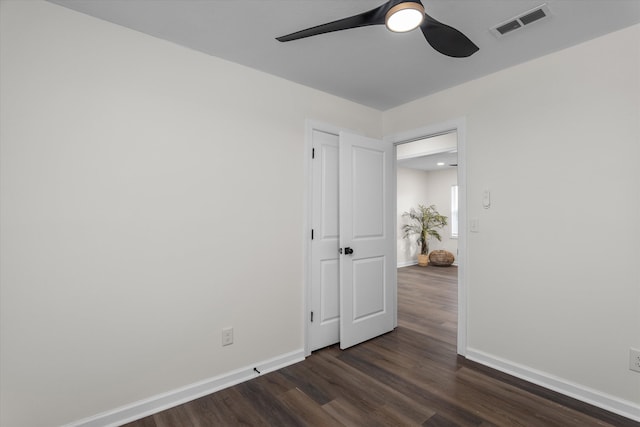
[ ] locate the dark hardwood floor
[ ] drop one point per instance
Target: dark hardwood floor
(408, 377)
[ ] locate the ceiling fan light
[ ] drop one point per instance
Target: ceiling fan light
(404, 17)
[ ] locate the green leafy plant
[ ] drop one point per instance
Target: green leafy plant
(424, 222)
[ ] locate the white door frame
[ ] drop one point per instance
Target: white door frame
(458, 125)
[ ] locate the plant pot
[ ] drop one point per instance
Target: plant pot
(423, 260)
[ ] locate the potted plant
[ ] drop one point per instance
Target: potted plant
(423, 222)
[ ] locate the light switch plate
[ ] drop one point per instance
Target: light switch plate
(634, 359)
(486, 199)
(227, 336)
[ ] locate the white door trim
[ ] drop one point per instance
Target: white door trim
(458, 125)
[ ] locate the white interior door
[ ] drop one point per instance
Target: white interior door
(367, 264)
(324, 326)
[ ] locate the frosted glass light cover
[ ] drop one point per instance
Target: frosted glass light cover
(404, 17)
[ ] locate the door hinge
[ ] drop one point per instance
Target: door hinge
(312, 316)
(312, 234)
(313, 153)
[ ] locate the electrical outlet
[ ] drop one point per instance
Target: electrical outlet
(227, 336)
(634, 359)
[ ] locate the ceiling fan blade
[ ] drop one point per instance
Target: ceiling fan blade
(447, 40)
(373, 17)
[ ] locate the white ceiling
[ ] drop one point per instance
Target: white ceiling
(429, 154)
(369, 65)
(431, 162)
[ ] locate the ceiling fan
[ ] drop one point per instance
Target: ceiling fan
(399, 16)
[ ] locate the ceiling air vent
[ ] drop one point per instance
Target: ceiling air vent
(509, 26)
(521, 20)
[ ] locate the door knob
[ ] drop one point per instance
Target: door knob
(348, 251)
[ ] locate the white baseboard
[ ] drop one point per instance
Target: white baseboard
(415, 262)
(407, 263)
(585, 394)
(160, 402)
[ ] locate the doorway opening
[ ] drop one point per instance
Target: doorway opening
(427, 177)
(457, 129)
(329, 290)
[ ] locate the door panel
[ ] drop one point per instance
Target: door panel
(368, 206)
(324, 329)
(367, 275)
(329, 292)
(368, 288)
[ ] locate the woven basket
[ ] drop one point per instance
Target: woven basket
(441, 258)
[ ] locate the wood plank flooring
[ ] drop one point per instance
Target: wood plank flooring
(408, 377)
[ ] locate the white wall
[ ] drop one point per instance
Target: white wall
(553, 275)
(139, 178)
(438, 188)
(410, 193)
(415, 187)
(151, 195)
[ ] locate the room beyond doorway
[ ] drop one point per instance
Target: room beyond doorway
(456, 127)
(427, 175)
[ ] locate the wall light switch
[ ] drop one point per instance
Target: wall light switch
(634, 359)
(474, 225)
(486, 199)
(227, 336)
